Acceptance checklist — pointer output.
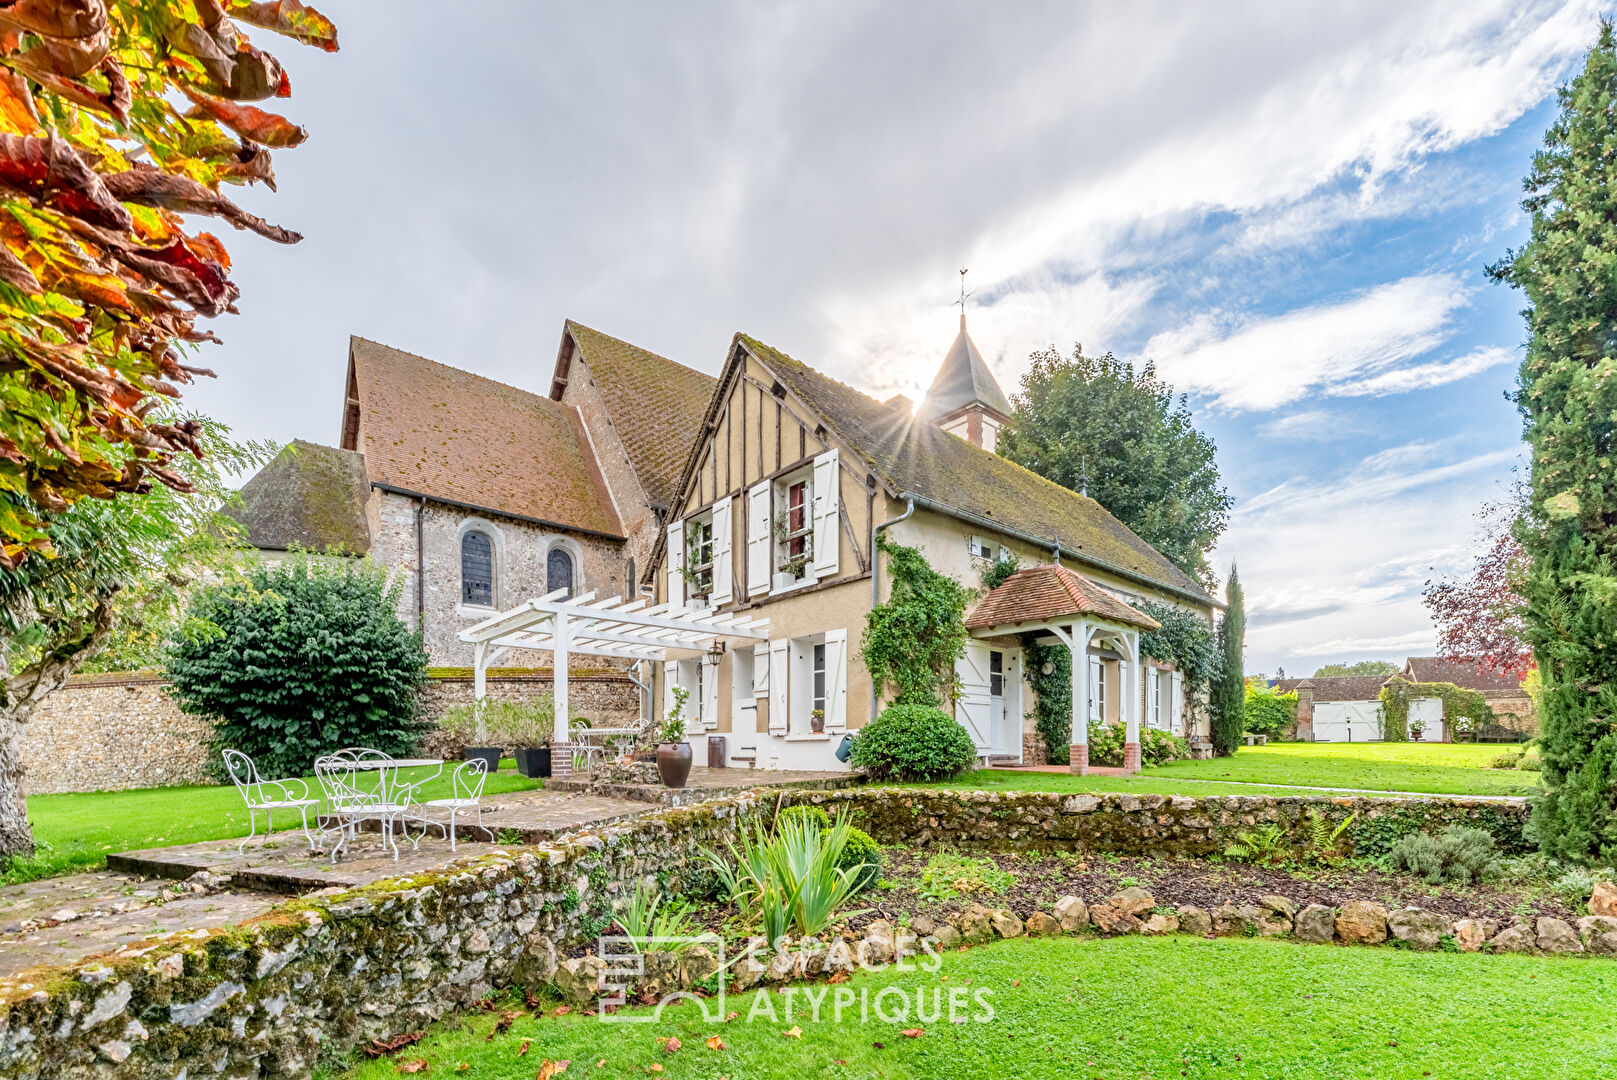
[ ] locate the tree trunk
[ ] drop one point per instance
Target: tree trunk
(20, 695)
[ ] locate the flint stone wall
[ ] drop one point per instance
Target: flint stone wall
(1149, 825)
(322, 974)
(119, 731)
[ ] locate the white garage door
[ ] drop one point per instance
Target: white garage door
(1429, 710)
(1347, 721)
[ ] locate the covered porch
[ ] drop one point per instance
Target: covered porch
(1057, 606)
(583, 626)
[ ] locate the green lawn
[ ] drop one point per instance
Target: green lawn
(1118, 1009)
(75, 832)
(1447, 768)
(1436, 768)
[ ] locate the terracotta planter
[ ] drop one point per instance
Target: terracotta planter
(674, 763)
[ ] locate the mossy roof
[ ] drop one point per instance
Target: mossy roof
(446, 433)
(656, 405)
(308, 496)
(1467, 674)
(911, 454)
(963, 379)
(1338, 687)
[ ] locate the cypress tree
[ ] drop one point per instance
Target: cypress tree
(1567, 395)
(1229, 687)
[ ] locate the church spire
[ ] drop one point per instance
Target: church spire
(965, 398)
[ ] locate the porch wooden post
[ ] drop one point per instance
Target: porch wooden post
(1078, 748)
(479, 687)
(1130, 678)
(561, 753)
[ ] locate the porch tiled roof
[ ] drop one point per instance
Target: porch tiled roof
(1046, 593)
(911, 454)
(446, 433)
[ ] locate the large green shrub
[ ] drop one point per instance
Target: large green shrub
(912, 742)
(299, 659)
(1269, 712)
(1568, 401)
(1156, 747)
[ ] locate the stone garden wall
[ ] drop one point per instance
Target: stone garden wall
(322, 974)
(1151, 825)
(112, 732)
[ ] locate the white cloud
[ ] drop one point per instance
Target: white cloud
(1436, 373)
(1328, 349)
(1311, 425)
(1333, 566)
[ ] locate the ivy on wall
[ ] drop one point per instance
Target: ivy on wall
(1186, 641)
(1463, 709)
(912, 641)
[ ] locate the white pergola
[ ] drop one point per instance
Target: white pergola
(611, 627)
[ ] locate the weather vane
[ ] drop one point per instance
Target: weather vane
(963, 295)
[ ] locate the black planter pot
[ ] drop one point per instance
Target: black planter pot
(533, 761)
(674, 763)
(490, 754)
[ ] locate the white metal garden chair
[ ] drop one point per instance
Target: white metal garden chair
(351, 803)
(268, 796)
(466, 794)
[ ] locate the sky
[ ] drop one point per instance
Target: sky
(1287, 208)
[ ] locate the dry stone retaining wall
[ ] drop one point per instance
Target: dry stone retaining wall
(119, 731)
(1148, 824)
(322, 974)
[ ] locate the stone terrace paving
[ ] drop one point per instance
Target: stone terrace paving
(160, 891)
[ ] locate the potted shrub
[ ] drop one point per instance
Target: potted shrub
(466, 729)
(526, 728)
(673, 752)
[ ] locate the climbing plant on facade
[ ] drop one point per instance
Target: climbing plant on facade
(911, 641)
(1185, 640)
(1463, 709)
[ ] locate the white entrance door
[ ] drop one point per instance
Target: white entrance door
(744, 704)
(1004, 682)
(973, 708)
(1428, 713)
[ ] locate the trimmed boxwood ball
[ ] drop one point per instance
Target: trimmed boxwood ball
(913, 742)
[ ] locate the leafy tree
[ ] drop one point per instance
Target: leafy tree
(118, 118)
(301, 658)
(913, 640)
(118, 577)
(1363, 667)
(1229, 686)
(1568, 400)
(1481, 617)
(1268, 712)
(1089, 417)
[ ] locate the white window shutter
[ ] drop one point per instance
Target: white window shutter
(779, 702)
(670, 680)
(759, 570)
(710, 697)
(827, 526)
(722, 578)
(675, 555)
(760, 670)
(836, 680)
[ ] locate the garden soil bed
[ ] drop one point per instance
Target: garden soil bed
(1041, 880)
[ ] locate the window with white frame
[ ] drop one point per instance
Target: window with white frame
(699, 550)
(983, 548)
(817, 704)
(1097, 690)
(794, 525)
(1155, 716)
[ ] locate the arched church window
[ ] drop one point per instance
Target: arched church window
(559, 571)
(476, 569)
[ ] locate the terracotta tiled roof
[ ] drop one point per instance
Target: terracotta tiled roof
(1470, 674)
(309, 496)
(1339, 687)
(452, 435)
(656, 404)
(1042, 593)
(911, 454)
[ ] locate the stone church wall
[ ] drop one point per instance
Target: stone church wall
(521, 550)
